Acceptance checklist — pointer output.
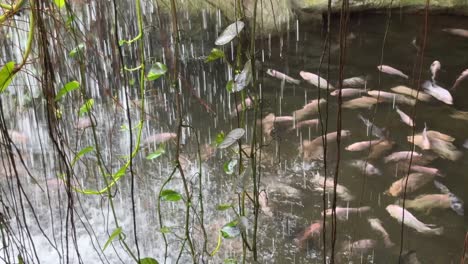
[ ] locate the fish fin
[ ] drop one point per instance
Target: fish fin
(438, 231)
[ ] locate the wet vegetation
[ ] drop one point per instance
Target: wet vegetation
(144, 132)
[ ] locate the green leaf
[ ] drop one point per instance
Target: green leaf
(231, 138)
(6, 75)
(219, 138)
(214, 55)
(86, 107)
(71, 86)
(59, 3)
(78, 49)
(230, 230)
(148, 261)
(229, 166)
(114, 234)
(156, 71)
(223, 207)
(157, 153)
(230, 85)
(20, 259)
(165, 230)
(230, 261)
(170, 195)
(81, 153)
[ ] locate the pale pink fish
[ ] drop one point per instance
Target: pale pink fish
(365, 167)
(307, 123)
(392, 71)
(286, 120)
(361, 102)
(401, 155)
(426, 170)
(391, 97)
(311, 231)
(409, 184)
(362, 145)
(360, 247)
(457, 32)
(282, 76)
(348, 92)
(159, 138)
(426, 143)
(460, 78)
(342, 213)
(435, 68)
(312, 108)
(405, 118)
(421, 96)
(438, 92)
(316, 80)
(248, 102)
(355, 82)
(409, 220)
(376, 224)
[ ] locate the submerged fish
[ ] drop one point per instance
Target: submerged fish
(460, 78)
(426, 143)
(360, 247)
(376, 224)
(465, 144)
(413, 182)
(435, 68)
(409, 258)
(361, 102)
(159, 138)
(365, 167)
(409, 220)
(392, 71)
(348, 92)
(404, 117)
(375, 130)
(270, 122)
(355, 82)
(263, 202)
(282, 76)
(427, 202)
(455, 203)
(438, 92)
(341, 191)
(248, 103)
(445, 149)
(310, 109)
(313, 149)
(391, 97)
(421, 96)
(457, 32)
(401, 155)
(380, 149)
(342, 213)
(426, 170)
(316, 80)
(307, 123)
(362, 145)
(311, 231)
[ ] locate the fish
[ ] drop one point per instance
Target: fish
(313, 149)
(366, 167)
(456, 204)
(306, 123)
(421, 96)
(427, 202)
(263, 202)
(413, 182)
(424, 139)
(411, 221)
(282, 76)
(426, 143)
(313, 230)
(460, 78)
(360, 247)
(361, 102)
(376, 225)
(445, 149)
(316, 80)
(159, 138)
(310, 109)
(438, 92)
(391, 97)
(465, 144)
(380, 149)
(401, 155)
(392, 71)
(405, 118)
(342, 213)
(355, 82)
(348, 92)
(83, 123)
(362, 145)
(375, 130)
(426, 170)
(341, 191)
(248, 103)
(270, 122)
(435, 68)
(457, 32)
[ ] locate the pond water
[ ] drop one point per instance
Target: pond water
(288, 180)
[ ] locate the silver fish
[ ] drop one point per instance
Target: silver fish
(376, 224)
(348, 92)
(435, 68)
(342, 213)
(316, 80)
(341, 191)
(460, 78)
(365, 167)
(375, 130)
(392, 71)
(355, 82)
(405, 118)
(455, 203)
(411, 221)
(438, 92)
(282, 76)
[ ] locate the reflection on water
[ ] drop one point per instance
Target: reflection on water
(293, 186)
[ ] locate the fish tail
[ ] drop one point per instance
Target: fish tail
(296, 82)
(436, 231)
